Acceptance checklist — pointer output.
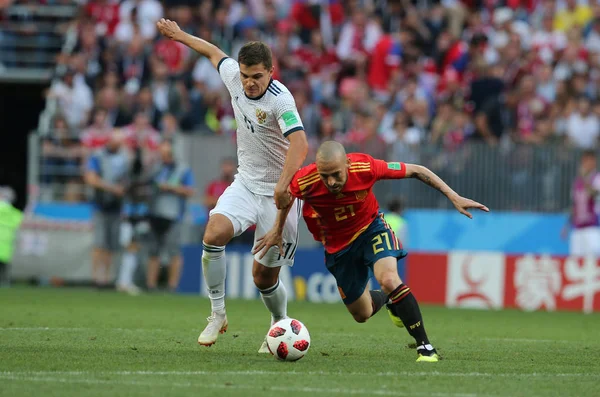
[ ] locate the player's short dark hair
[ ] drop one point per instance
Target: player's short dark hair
(255, 53)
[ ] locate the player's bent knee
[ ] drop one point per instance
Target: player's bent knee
(264, 277)
(219, 230)
(389, 281)
(360, 316)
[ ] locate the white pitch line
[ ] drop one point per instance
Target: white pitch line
(37, 329)
(301, 373)
(326, 391)
(525, 340)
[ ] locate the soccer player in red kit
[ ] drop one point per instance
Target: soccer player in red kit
(342, 212)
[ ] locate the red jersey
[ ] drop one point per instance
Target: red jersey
(95, 138)
(386, 58)
(172, 53)
(147, 140)
(337, 220)
(106, 15)
(217, 188)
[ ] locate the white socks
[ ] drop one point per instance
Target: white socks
(128, 265)
(214, 269)
(275, 299)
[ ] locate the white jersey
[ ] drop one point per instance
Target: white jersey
(263, 124)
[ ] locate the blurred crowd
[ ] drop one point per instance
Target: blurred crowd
(384, 77)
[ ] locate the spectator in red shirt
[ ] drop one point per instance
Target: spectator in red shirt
(216, 187)
(98, 133)
(106, 15)
(141, 136)
(173, 54)
(385, 62)
(308, 15)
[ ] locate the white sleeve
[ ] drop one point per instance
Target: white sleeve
(287, 114)
(229, 70)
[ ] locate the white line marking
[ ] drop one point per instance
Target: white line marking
(36, 329)
(525, 340)
(284, 373)
(326, 391)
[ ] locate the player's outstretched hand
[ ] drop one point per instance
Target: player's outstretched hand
(272, 238)
(462, 204)
(168, 28)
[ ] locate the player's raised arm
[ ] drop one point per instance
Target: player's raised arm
(172, 31)
(425, 175)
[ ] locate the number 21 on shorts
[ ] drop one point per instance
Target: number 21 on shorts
(378, 242)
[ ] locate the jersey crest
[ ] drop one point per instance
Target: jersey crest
(261, 115)
(361, 194)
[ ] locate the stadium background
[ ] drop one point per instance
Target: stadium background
(399, 80)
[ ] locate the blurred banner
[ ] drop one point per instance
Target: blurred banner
(493, 280)
(307, 280)
(508, 232)
(49, 249)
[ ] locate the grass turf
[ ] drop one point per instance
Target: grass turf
(77, 342)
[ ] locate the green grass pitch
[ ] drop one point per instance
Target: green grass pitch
(77, 342)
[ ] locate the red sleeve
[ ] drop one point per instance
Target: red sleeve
(385, 170)
(294, 188)
(300, 175)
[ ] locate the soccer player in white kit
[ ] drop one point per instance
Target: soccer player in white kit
(585, 237)
(271, 147)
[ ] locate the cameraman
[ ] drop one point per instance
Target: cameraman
(134, 227)
(172, 186)
(107, 172)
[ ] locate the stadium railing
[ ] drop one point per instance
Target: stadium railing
(30, 38)
(512, 178)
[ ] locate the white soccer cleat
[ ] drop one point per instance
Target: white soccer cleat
(264, 348)
(217, 324)
(130, 289)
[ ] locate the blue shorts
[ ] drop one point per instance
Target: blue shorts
(352, 267)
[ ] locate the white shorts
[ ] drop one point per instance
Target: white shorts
(244, 209)
(585, 241)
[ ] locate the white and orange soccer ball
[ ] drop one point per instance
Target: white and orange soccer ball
(288, 340)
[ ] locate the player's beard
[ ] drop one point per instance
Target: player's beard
(335, 190)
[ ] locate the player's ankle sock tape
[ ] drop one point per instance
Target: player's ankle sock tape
(405, 306)
(379, 299)
(212, 250)
(399, 293)
(275, 299)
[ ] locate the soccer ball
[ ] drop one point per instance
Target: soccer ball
(288, 340)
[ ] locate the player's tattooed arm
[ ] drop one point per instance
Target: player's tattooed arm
(428, 177)
(425, 175)
(274, 237)
(171, 30)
